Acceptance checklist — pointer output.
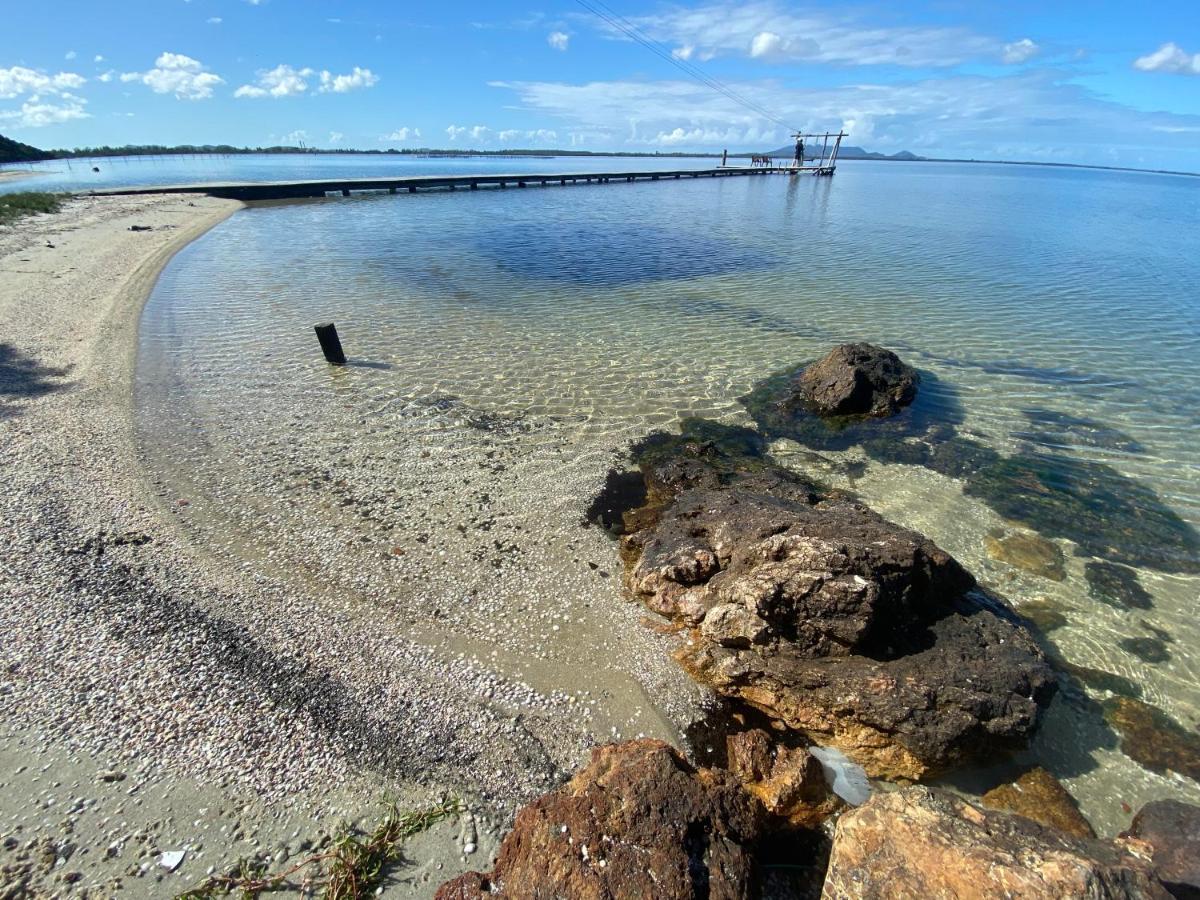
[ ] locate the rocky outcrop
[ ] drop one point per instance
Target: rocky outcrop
(922, 843)
(829, 618)
(1039, 796)
(788, 781)
(1172, 831)
(857, 380)
(637, 821)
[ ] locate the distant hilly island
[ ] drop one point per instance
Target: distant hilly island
(846, 152)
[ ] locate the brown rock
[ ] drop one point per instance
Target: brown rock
(637, 821)
(858, 380)
(1038, 795)
(826, 616)
(788, 781)
(1172, 829)
(1034, 554)
(918, 843)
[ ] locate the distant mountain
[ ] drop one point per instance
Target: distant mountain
(15, 151)
(846, 152)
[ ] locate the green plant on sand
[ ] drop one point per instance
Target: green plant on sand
(350, 868)
(26, 203)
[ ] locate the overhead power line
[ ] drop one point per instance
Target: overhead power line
(623, 25)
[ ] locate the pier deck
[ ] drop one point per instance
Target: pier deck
(290, 190)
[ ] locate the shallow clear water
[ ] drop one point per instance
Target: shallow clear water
(505, 345)
(125, 171)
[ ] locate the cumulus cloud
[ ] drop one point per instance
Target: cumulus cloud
(98, 58)
(335, 137)
(288, 81)
(772, 32)
(1020, 51)
(558, 40)
(1170, 57)
(174, 73)
(403, 134)
(475, 132)
(281, 81)
(37, 112)
(340, 84)
(19, 80)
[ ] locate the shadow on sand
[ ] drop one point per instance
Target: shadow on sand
(22, 377)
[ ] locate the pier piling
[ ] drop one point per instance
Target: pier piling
(331, 346)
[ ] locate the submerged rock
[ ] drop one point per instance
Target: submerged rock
(1152, 738)
(922, 843)
(1039, 796)
(1151, 650)
(822, 614)
(1116, 585)
(637, 821)
(1172, 829)
(1045, 614)
(1052, 428)
(857, 380)
(1034, 554)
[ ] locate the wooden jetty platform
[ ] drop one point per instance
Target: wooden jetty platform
(291, 190)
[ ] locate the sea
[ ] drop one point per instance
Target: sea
(507, 346)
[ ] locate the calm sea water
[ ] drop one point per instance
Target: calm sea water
(124, 171)
(506, 345)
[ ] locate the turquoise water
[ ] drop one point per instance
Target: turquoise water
(505, 345)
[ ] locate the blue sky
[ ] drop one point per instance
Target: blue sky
(1099, 82)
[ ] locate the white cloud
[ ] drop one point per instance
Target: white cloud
(70, 54)
(1170, 57)
(37, 113)
(773, 32)
(18, 80)
(340, 84)
(335, 137)
(98, 58)
(559, 40)
(281, 81)
(475, 132)
(403, 134)
(214, 20)
(1020, 51)
(1032, 114)
(293, 138)
(287, 81)
(106, 77)
(174, 73)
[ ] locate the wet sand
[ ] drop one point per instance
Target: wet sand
(156, 695)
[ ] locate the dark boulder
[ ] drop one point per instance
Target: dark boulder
(857, 380)
(637, 821)
(1172, 829)
(829, 618)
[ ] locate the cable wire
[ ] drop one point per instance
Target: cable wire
(620, 23)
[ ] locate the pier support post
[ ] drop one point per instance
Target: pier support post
(412, 188)
(391, 190)
(345, 192)
(331, 346)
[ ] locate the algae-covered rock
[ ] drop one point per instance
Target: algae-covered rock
(1148, 649)
(1045, 614)
(1116, 585)
(1104, 512)
(1034, 554)
(1040, 796)
(1152, 738)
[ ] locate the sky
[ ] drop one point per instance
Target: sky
(1100, 83)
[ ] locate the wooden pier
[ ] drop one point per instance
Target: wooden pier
(291, 190)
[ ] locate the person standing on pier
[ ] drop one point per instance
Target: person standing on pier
(724, 156)
(798, 159)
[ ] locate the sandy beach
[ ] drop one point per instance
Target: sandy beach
(15, 174)
(154, 698)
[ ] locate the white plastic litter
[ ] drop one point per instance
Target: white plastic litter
(846, 779)
(170, 859)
